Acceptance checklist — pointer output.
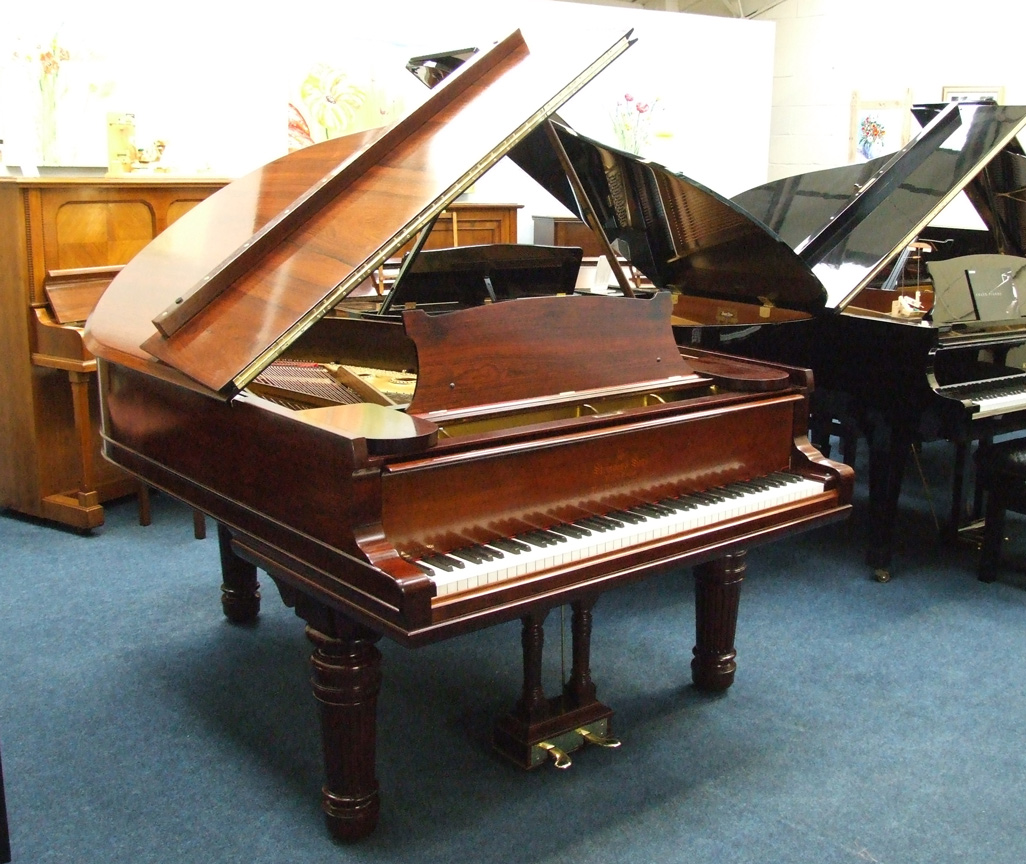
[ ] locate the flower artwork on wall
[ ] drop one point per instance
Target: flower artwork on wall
(878, 128)
(872, 137)
(54, 96)
(331, 102)
(632, 122)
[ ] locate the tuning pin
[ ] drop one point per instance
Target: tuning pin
(593, 737)
(559, 758)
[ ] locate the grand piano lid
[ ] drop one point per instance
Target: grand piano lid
(848, 223)
(679, 233)
(229, 286)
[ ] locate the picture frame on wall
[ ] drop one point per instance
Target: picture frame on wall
(973, 94)
(878, 127)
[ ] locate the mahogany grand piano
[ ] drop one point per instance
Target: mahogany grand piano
(424, 476)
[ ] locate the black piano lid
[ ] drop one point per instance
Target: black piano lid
(678, 232)
(847, 223)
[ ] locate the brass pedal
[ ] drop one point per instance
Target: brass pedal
(593, 737)
(559, 757)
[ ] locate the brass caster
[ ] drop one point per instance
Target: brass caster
(881, 574)
(559, 758)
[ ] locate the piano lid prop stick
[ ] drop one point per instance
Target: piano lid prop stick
(588, 211)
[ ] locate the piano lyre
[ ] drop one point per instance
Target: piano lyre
(425, 475)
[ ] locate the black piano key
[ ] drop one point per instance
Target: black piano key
(632, 516)
(594, 523)
(443, 562)
(540, 538)
(508, 544)
(652, 510)
(575, 531)
(477, 554)
(730, 491)
(679, 504)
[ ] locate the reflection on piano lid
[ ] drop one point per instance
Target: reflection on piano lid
(848, 223)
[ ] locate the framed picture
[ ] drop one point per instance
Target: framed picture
(973, 94)
(878, 128)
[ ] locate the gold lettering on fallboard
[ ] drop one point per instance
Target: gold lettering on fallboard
(623, 466)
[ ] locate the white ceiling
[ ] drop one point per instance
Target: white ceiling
(719, 8)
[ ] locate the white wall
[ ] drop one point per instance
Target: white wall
(214, 78)
(827, 49)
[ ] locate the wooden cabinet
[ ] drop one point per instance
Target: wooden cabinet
(566, 231)
(50, 464)
(472, 224)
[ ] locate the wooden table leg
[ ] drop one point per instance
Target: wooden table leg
(717, 594)
(80, 388)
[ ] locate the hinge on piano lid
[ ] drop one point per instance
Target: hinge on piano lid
(766, 309)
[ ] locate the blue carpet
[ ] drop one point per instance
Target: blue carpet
(868, 722)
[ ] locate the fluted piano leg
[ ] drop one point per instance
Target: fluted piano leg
(346, 682)
(240, 591)
(533, 706)
(580, 689)
(717, 594)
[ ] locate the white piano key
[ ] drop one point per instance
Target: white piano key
(575, 549)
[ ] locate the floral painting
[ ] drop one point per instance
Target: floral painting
(331, 101)
(632, 122)
(878, 128)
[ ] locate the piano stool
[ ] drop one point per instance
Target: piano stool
(1001, 474)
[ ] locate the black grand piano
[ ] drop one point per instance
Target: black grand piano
(422, 476)
(803, 271)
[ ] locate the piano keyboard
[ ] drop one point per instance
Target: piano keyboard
(533, 551)
(996, 396)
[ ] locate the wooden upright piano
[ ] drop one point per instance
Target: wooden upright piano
(418, 475)
(61, 241)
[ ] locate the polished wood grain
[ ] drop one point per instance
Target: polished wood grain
(511, 353)
(61, 242)
(267, 296)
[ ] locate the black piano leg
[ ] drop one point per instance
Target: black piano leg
(717, 595)
(889, 446)
(346, 682)
(538, 728)
(240, 591)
